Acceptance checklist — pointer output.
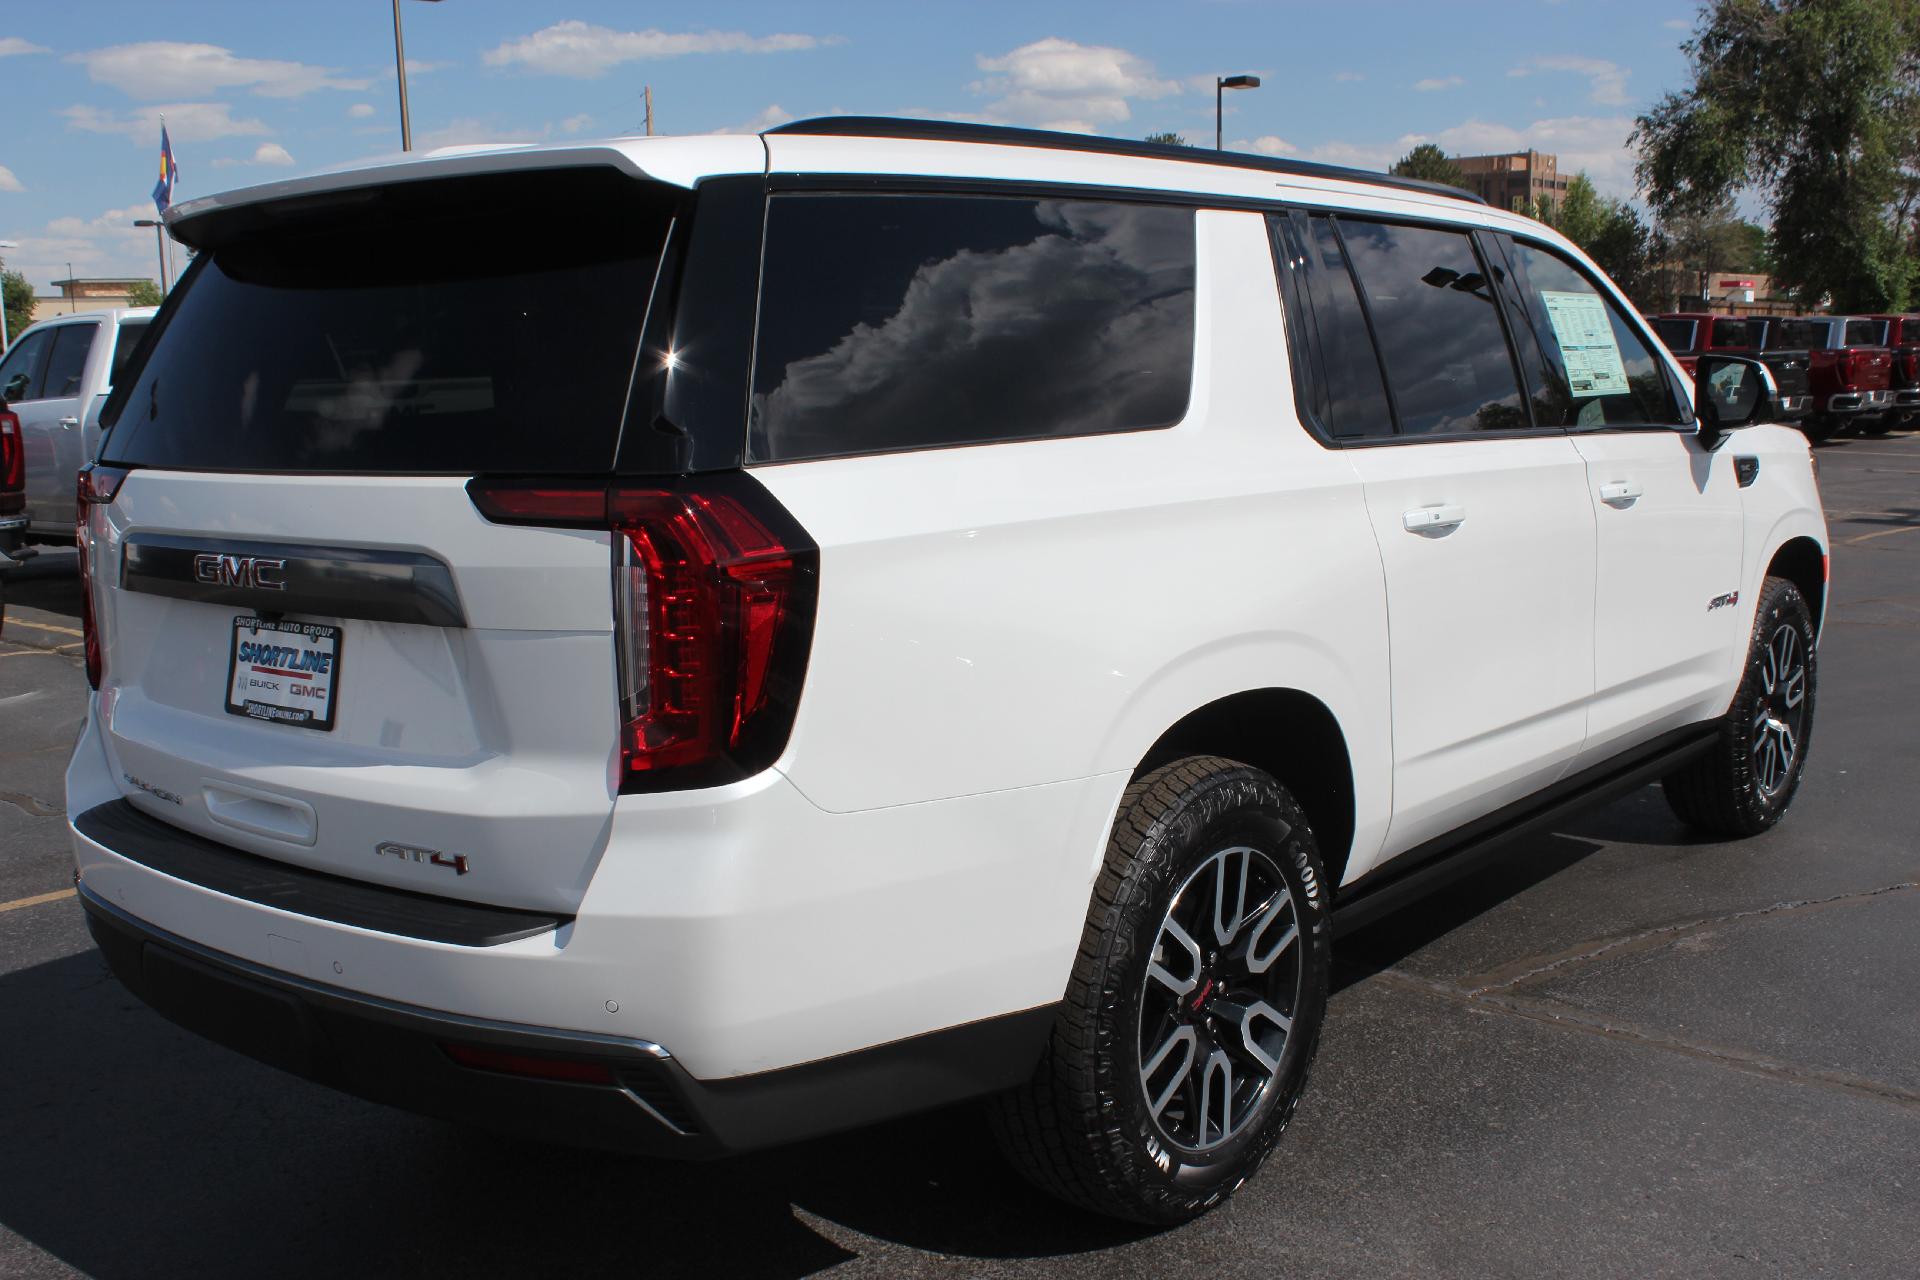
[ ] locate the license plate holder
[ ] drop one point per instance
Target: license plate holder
(284, 672)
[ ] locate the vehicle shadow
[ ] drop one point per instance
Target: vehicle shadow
(135, 1149)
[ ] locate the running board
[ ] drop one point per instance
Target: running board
(1444, 859)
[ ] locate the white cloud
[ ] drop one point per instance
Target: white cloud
(8, 182)
(1595, 144)
(1433, 83)
(471, 131)
(166, 68)
(13, 45)
(186, 122)
(271, 153)
(107, 245)
(1347, 77)
(767, 118)
(1058, 84)
(574, 124)
(580, 49)
(360, 111)
(1606, 81)
(1267, 145)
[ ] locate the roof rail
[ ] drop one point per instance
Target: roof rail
(1006, 136)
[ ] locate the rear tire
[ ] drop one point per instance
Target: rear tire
(1743, 785)
(1195, 1004)
(1877, 426)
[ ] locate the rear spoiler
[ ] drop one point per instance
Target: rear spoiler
(679, 162)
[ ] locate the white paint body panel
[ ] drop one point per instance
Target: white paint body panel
(1003, 632)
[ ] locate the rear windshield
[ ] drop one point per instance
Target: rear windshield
(1866, 333)
(1733, 334)
(131, 331)
(1796, 335)
(480, 324)
(1677, 334)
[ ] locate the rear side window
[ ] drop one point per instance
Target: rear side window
(1677, 334)
(124, 344)
(68, 362)
(477, 324)
(1440, 335)
(1606, 374)
(1796, 335)
(892, 322)
(20, 372)
(1345, 387)
(1865, 333)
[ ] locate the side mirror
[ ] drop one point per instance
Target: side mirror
(1730, 392)
(16, 387)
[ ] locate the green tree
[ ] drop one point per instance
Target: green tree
(1613, 235)
(19, 302)
(143, 293)
(1171, 139)
(1428, 163)
(1811, 103)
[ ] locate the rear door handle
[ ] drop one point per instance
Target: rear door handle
(1620, 491)
(69, 423)
(1439, 519)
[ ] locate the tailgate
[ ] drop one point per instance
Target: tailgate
(471, 710)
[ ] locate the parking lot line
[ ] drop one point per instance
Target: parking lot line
(36, 900)
(43, 626)
(1880, 533)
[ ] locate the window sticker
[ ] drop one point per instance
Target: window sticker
(1587, 345)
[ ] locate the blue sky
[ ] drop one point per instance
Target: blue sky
(254, 91)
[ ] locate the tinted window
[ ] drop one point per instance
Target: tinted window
(1796, 335)
(907, 322)
(1346, 391)
(71, 343)
(484, 324)
(1734, 335)
(20, 371)
(1607, 374)
(1440, 338)
(123, 347)
(1677, 334)
(1866, 333)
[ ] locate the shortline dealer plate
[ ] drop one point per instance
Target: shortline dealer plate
(285, 672)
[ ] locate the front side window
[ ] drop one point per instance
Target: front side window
(892, 322)
(1441, 340)
(1607, 373)
(20, 373)
(68, 362)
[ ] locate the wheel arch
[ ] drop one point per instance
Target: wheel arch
(1309, 756)
(1803, 562)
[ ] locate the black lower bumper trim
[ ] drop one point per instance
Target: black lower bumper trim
(118, 826)
(395, 1054)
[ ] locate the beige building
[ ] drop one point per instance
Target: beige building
(1518, 180)
(82, 294)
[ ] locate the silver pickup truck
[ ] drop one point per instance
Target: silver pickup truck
(54, 378)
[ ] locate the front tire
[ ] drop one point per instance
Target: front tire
(1195, 1005)
(1743, 785)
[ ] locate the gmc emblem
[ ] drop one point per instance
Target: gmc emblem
(240, 571)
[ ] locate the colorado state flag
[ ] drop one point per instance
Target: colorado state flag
(169, 173)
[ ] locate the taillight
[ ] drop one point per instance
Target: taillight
(98, 485)
(1849, 365)
(713, 598)
(13, 464)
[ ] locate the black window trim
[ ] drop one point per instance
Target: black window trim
(52, 331)
(864, 184)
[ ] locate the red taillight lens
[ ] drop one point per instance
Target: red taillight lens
(13, 464)
(533, 1065)
(1849, 365)
(714, 588)
(97, 488)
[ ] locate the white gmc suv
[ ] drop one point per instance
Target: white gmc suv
(883, 613)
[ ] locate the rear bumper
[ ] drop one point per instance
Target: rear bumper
(1851, 402)
(1795, 406)
(399, 1055)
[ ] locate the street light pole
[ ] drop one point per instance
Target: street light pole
(160, 243)
(1220, 85)
(400, 68)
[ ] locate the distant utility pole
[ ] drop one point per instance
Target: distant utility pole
(646, 92)
(400, 68)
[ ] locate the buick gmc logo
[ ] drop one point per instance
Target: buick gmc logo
(240, 571)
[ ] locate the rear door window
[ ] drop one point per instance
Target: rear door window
(20, 372)
(1607, 373)
(458, 326)
(892, 322)
(124, 344)
(1440, 335)
(68, 362)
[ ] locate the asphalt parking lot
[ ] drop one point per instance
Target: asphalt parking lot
(1623, 1051)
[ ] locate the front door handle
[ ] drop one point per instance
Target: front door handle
(1620, 492)
(69, 423)
(1440, 519)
